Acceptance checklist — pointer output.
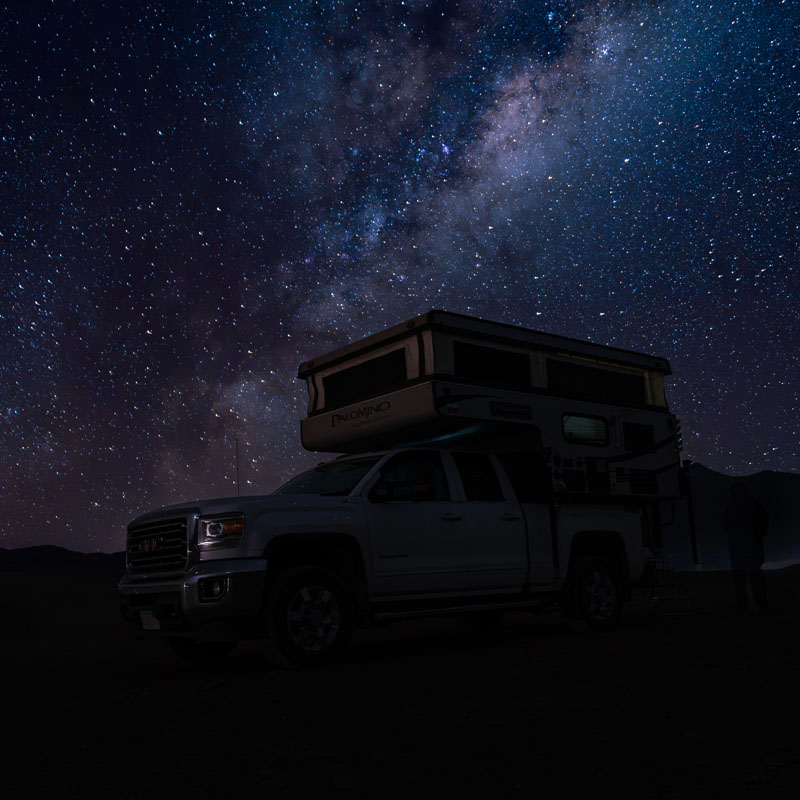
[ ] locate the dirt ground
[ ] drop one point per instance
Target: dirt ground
(685, 699)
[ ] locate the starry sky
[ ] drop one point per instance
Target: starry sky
(196, 197)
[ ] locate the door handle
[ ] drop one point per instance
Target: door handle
(509, 517)
(451, 517)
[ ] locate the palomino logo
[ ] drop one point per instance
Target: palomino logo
(360, 415)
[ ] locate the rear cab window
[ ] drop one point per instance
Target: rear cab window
(478, 477)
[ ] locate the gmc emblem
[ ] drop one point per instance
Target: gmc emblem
(150, 545)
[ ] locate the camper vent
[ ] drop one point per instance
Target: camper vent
(643, 481)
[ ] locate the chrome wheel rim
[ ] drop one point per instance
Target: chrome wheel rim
(600, 595)
(313, 618)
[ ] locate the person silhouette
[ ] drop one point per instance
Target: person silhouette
(746, 523)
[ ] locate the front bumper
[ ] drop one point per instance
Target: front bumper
(175, 602)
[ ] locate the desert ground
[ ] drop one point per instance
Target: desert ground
(685, 699)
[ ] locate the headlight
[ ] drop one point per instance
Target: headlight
(218, 532)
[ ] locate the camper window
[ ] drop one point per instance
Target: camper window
(368, 379)
(490, 366)
(478, 477)
(592, 383)
(581, 429)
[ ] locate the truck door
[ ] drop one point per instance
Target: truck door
(495, 552)
(416, 529)
(532, 484)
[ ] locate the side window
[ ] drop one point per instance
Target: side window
(478, 477)
(416, 476)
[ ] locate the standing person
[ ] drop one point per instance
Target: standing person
(746, 522)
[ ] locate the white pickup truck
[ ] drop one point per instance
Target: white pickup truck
(436, 529)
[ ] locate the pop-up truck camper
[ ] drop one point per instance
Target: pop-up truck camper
(483, 467)
(600, 412)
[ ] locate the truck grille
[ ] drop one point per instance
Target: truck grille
(157, 546)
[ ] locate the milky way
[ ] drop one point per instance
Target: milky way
(196, 200)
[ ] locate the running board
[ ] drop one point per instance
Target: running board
(440, 611)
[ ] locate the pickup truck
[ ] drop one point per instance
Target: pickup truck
(366, 539)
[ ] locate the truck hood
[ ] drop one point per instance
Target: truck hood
(253, 504)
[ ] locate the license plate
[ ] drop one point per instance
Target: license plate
(149, 621)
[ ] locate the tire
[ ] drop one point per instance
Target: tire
(484, 621)
(597, 593)
(308, 617)
(200, 652)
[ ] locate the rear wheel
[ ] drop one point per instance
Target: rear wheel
(200, 652)
(597, 593)
(308, 617)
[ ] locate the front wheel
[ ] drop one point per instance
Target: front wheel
(308, 617)
(597, 593)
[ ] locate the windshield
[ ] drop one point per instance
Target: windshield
(335, 478)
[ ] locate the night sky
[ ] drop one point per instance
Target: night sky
(197, 197)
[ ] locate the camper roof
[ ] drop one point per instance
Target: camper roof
(498, 332)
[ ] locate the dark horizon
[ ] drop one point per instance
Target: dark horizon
(199, 199)
(710, 491)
